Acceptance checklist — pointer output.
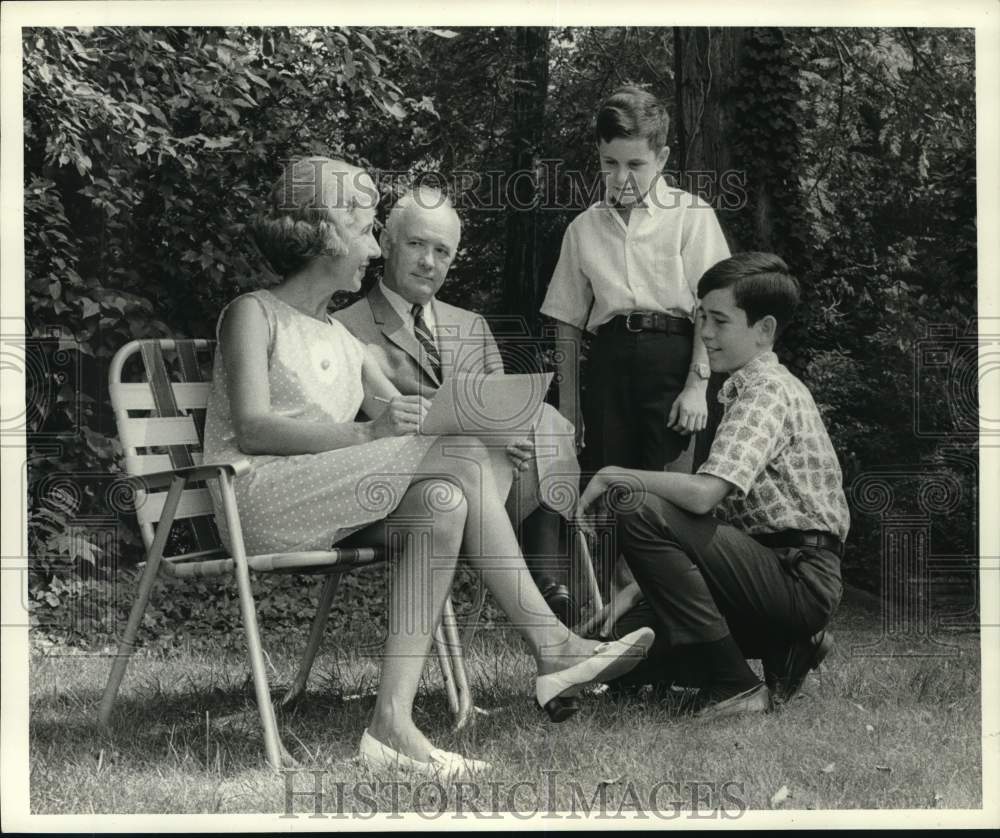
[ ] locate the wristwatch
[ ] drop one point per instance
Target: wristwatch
(703, 371)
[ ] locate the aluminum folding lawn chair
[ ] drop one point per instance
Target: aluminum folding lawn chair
(160, 414)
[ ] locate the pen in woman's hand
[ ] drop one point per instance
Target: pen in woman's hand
(382, 399)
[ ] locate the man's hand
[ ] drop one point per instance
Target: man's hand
(689, 412)
(521, 453)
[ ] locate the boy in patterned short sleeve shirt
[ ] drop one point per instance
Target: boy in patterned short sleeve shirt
(773, 448)
(741, 559)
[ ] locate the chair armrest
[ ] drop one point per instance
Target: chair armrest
(206, 471)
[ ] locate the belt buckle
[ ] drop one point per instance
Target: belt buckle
(628, 323)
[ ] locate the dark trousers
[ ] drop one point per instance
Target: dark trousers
(545, 541)
(703, 579)
(632, 382)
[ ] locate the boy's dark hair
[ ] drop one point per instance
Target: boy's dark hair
(633, 112)
(761, 283)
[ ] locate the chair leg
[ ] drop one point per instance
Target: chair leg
(326, 598)
(477, 609)
(465, 709)
(272, 743)
(598, 618)
(447, 673)
(277, 756)
(582, 556)
(127, 645)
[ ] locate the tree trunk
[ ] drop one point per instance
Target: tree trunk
(706, 76)
(737, 146)
(531, 78)
(706, 62)
(737, 117)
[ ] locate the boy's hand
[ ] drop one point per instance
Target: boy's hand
(596, 488)
(609, 477)
(689, 412)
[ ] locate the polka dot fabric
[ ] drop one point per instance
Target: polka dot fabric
(308, 501)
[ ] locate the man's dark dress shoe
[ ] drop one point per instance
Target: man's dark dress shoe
(786, 673)
(559, 600)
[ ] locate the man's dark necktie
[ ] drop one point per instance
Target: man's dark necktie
(426, 339)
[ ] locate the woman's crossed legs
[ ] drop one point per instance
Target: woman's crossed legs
(453, 499)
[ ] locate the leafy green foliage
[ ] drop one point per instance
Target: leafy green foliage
(888, 175)
(146, 150)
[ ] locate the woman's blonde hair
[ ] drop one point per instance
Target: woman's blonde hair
(310, 211)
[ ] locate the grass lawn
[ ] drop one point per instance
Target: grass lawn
(869, 732)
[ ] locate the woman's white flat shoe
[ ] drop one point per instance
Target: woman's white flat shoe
(443, 765)
(609, 661)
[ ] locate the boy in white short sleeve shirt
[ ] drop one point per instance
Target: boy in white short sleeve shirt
(628, 273)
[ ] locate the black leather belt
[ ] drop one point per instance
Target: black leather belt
(801, 538)
(648, 321)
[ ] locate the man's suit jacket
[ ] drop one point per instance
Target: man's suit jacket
(466, 345)
(464, 340)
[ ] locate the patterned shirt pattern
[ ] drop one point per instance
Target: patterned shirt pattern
(773, 447)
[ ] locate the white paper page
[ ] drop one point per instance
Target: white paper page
(495, 407)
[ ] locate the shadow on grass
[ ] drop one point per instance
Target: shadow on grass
(893, 731)
(182, 721)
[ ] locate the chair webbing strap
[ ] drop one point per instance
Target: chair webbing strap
(166, 406)
(191, 371)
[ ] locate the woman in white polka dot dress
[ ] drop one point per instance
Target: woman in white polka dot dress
(287, 385)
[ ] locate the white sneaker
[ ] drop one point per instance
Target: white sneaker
(443, 765)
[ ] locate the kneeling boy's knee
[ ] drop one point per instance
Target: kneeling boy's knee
(652, 516)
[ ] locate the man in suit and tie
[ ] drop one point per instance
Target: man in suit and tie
(420, 341)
